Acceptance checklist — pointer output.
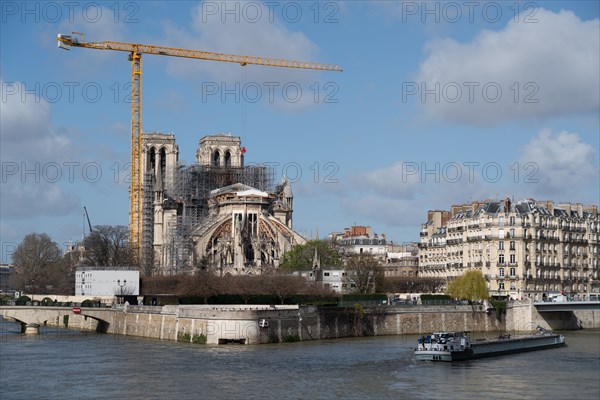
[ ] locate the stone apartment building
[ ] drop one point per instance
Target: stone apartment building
(523, 249)
(396, 260)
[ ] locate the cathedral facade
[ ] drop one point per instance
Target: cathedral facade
(216, 214)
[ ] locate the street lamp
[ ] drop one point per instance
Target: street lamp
(121, 287)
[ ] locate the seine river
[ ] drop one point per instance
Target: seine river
(61, 364)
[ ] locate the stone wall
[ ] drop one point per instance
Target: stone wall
(523, 316)
(242, 324)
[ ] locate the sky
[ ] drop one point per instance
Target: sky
(439, 103)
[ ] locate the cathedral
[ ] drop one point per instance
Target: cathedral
(217, 214)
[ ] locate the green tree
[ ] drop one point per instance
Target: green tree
(301, 257)
(469, 286)
(34, 259)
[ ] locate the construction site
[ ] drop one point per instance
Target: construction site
(214, 214)
(176, 197)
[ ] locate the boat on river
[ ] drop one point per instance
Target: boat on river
(457, 346)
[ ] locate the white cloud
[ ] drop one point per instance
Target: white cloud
(564, 163)
(29, 144)
(560, 167)
(264, 37)
(548, 68)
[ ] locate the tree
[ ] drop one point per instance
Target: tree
(363, 272)
(34, 259)
(469, 286)
(62, 275)
(401, 284)
(203, 284)
(108, 246)
(245, 286)
(301, 256)
(283, 286)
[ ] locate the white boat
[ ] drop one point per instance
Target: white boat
(456, 346)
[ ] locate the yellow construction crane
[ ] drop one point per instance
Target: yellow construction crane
(135, 56)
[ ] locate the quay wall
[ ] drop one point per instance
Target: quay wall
(271, 324)
(523, 316)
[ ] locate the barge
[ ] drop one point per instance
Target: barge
(457, 346)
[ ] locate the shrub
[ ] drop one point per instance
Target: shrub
(199, 339)
(22, 300)
(186, 337)
(183, 337)
(87, 303)
(291, 338)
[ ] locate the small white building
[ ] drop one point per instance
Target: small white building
(107, 281)
(333, 279)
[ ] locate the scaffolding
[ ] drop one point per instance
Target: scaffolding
(147, 249)
(190, 190)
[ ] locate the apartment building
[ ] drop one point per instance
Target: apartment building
(524, 249)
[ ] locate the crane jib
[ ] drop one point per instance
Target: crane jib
(136, 50)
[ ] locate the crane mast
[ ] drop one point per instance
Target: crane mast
(135, 57)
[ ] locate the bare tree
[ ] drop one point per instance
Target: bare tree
(34, 259)
(203, 284)
(285, 285)
(397, 284)
(245, 286)
(172, 285)
(108, 246)
(363, 273)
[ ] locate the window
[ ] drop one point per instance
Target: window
(512, 259)
(512, 221)
(501, 285)
(500, 245)
(501, 272)
(512, 272)
(512, 244)
(501, 258)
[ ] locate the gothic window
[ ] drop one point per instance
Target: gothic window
(163, 163)
(227, 159)
(217, 158)
(151, 159)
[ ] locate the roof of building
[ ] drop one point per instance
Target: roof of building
(522, 207)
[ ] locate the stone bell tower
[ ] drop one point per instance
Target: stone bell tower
(220, 150)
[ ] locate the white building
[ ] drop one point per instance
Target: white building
(107, 281)
(360, 240)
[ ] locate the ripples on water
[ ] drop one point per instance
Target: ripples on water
(64, 364)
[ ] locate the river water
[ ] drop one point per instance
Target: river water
(64, 364)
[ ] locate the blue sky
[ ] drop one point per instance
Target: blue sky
(439, 103)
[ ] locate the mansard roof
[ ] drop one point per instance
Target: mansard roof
(522, 207)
